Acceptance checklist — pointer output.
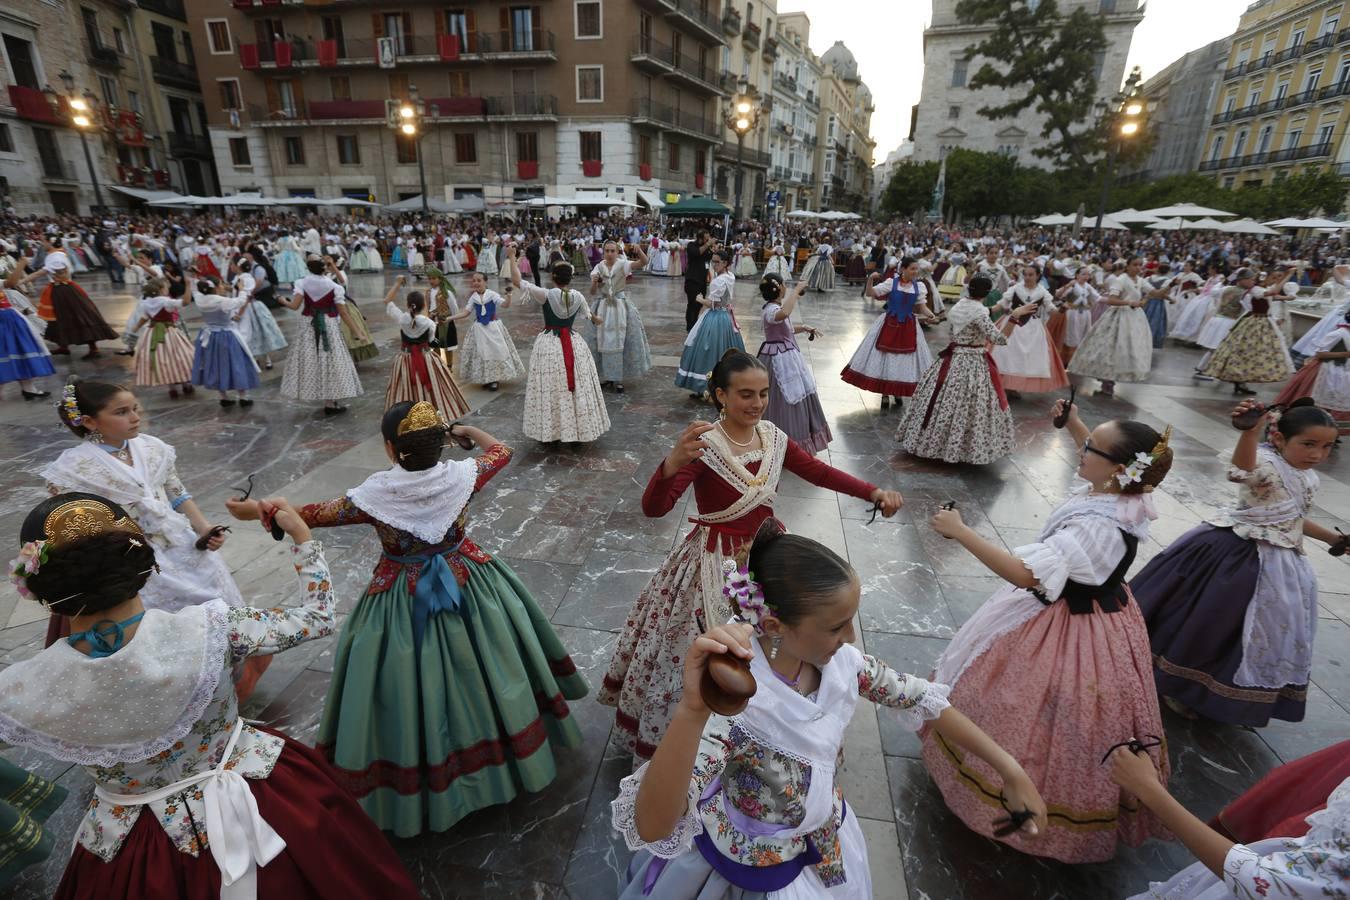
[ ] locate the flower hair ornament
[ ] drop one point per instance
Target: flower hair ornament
(742, 589)
(69, 406)
(1134, 470)
(30, 560)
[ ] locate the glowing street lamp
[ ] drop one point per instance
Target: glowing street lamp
(742, 118)
(80, 107)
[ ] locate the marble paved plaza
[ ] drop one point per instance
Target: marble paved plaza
(569, 521)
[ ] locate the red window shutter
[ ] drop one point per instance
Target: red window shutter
(328, 53)
(282, 51)
(377, 25)
(645, 171)
(591, 168)
(471, 31)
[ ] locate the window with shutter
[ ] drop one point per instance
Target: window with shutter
(466, 148)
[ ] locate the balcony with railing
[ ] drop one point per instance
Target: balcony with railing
(480, 46)
(105, 57)
(751, 35)
(786, 82)
(33, 105)
(540, 107)
(173, 73)
(189, 146)
(770, 47)
(690, 123)
(691, 13)
(755, 159)
(694, 73)
(731, 21)
(651, 54)
(1288, 154)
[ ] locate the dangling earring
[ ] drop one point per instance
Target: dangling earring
(94, 437)
(774, 644)
(722, 414)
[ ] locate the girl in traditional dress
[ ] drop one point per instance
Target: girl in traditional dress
(659, 263)
(619, 344)
(417, 260)
(1254, 350)
(445, 308)
(355, 331)
(1297, 845)
(563, 397)
(418, 374)
(452, 264)
(366, 258)
(257, 324)
(1232, 604)
(189, 800)
(1325, 377)
(758, 794)
(1064, 622)
(70, 315)
(677, 259)
(818, 272)
(1119, 345)
(714, 333)
(1029, 360)
(745, 261)
(487, 355)
(1232, 304)
(487, 255)
(205, 261)
(734, 467)
(221, 360)
(777, 264)
(893, 355)
(163, 352)
(793, 403)
(399, 258)
(1196, 311)
(290, 265)
(23, 357)
(450, 688)
(960, 412)
(1077, 298)
(319, 366)
(1155, 309)
(1336, 291)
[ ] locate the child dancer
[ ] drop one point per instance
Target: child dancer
(715, 332)
(1233, 303)
(257, 324)
(745, 261)
(619, 344)
(1119, 345)
(1254, 350)
(1232, 604)
(1064, 622)
(563, 397)
(319, 366)
(893, 355)
(819, 269)
(418, 374)
(221, 360)
(70, 315)
(1335, 290)
(1078, 298)
(960, 413)
(163, 351)
(355, 334)
(793, 404)
(23, 357)
(1325, 377)
(1029, 360)
(487, 355)
(759, 794)
(777, 264)
(443, 313)
(734, 467)
(189, 800)
(450, 688)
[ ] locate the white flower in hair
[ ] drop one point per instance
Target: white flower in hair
(746, 593)
(1134, 472)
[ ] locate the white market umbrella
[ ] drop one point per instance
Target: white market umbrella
(803, 214)
(1286, 222)
(1166, 225)
(1247, 226)
(1054, 219)
(1318, 222)
(835, 215)
(1206, 224)
(1108, 222)
(1188, 210)
(1132, 215)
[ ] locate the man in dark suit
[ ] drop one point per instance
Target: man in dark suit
(699, 253)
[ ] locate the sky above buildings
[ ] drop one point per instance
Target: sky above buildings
(886, 36)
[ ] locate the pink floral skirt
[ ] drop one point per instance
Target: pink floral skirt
(1057, 693)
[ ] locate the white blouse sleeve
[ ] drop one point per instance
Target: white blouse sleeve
(532, 291)
(400, 316)
(1086, 549)
(1302, 870)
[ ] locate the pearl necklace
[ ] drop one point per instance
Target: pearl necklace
(725, 434)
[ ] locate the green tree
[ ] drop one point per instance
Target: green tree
(978, 183)
(1049, 62)
(910, 188)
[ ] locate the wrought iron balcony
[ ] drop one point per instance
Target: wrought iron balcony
(174, 73)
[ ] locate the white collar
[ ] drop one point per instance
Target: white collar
(425, 504)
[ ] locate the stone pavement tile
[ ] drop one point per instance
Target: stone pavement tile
(1331, 660)
(298, 710)
(284, 669)
(599, 861)
(1337, 605)
(1325, 722)
(815, 519)
(605, 588)
(864, 764)
(636, 531)
(911, 654)
(967, 593)
(555, 543)
(454, 882)
(547, 581)
(883, 857)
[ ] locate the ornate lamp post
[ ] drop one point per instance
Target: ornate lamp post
(742, 118)
(409, 122)
(1125, 123)
(82, 117)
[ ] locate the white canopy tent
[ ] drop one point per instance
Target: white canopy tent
(1209, 223)
(1167, 225)
(597, 200)
(1131, 216)
(651, 200)
(232, 200)
(1185, 210)
(1286, 222)
(835, 215)
(438, 205)
(1247, 226)
(1055, 219)
(1108, 222)
(148, 196)
(1319, 222)
(803, 214)
(322, 201)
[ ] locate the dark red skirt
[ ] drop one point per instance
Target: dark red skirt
(1279, 804)
(897, 336)
(333, 849)
(77, 320)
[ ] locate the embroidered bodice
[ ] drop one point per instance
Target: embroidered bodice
(721, 289)
(775, 331)
(484, 306)
(1127, 288)
(179, 663)
(400, 543)
(971, 325)
(1267, 510)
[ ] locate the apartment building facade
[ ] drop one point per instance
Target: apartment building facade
(794, 145)
(1282, 106)
(748, 55)
(555, 98)
(1184, 95)
(844, 133)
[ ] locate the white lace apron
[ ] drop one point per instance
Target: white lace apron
(611, 308)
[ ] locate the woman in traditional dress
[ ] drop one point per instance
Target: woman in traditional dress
(221, 360)
(23, 357)
(619, 343)
(794, 405)
(399, 258)
(163, 351)
(893, 355)
(960, 412)
(734, 467)
(759, 794)
(487, 255)
(1232, 304)
(319, 366)
(1335, 291)
(1325, 377)
(818, 272)
(70, 315)
(1077, 298)
(1297, 845)
(288, 262)
(190, 802)
(1254, 350)
(451, 263)
(487, 355)
(714, 333)
(1119, 345)
(1029, 361)
(1231, 605)
(258, 325)
(355, 331)
(205, 260)
(450, 688)
(1065, 621)
(1196, 311)
(659, 261)
(777, 264)
(418, 374)
(563, 397)
(366, 258)
(745, 261)
(677, 257)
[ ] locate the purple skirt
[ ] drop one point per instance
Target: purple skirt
(1194, 597)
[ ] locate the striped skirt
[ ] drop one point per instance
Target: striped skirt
(163, 356)
(406, 382)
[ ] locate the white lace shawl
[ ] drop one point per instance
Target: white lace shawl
(122, 708)
(425, 504)
(88, 467)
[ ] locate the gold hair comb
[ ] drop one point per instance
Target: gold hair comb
(80, 519)
(1166, 439)
(421, 417)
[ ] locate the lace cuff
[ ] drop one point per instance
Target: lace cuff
(930, 704)
(1047, 564)
(623, 815)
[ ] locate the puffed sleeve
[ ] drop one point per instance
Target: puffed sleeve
(714, 749)
(913, 700)
(1086, 549)
(254, 631)
(990, 331)
(1315, 869)
(401, 317)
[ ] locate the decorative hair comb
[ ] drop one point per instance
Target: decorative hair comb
(421, 417)
(84, 518)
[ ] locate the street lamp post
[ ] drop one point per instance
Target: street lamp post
(742, 118)
(410, 117)
(1124, 125)
(81, 116)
